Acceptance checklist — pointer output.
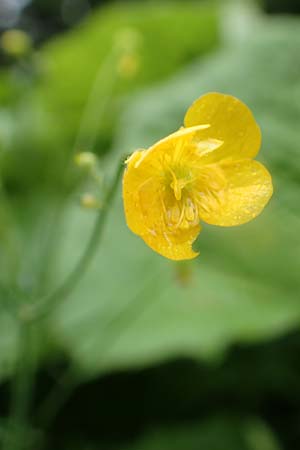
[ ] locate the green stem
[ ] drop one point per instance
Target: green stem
(86, 136)
(23, 375)
(17, 431)
(94, 109)
(57, 397)
(16, 437)
(48, 303)
(97, 103)
(8, 300)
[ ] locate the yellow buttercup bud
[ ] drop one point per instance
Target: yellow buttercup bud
(86, 160)
(16, 43)
(128, 39)
(89, 201)
(128, 65)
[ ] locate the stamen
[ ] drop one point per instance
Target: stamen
(190, 213)
(177, 189)
(209, 201)
(176, 185)
(179, 223)
(175, 215)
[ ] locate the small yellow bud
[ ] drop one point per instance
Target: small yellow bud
(128, 39)
(89, 201)
(128, 65)
(16, 43)
(86, 160)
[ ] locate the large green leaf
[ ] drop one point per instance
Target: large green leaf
(133, 307)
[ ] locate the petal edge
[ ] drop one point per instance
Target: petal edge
(248, 191)
(230, 121)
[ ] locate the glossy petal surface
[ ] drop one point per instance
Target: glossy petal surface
(249, 188)
(132, 181)
(174, 246)
(230, 121)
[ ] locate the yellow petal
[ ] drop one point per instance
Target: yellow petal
(133, 180)
(231, 121)
(179, 134)
(144, 195)
(146, 216)
(143, 184)
(181, 146)
(249, 188)
(148, 205)
(174, 246)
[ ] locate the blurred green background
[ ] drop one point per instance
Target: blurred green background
(144, 353)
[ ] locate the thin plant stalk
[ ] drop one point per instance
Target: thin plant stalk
(22, 386)
(50, 302)
(16, 436)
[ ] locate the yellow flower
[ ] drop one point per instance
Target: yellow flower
(203, 172)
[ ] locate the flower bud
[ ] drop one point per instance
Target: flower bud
(128, 39)
(16, 43)
(128, 65)
(85, 160)
(89, 201)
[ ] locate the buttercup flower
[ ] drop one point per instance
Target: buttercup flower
(203, 172)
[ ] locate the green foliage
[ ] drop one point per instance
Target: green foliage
(135, 308)
(43, 97)
(42, 100)
(8, 344)
(164, 43)
(69, 65)
(217, 433)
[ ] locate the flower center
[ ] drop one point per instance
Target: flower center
(178, 184)
(182, 214)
